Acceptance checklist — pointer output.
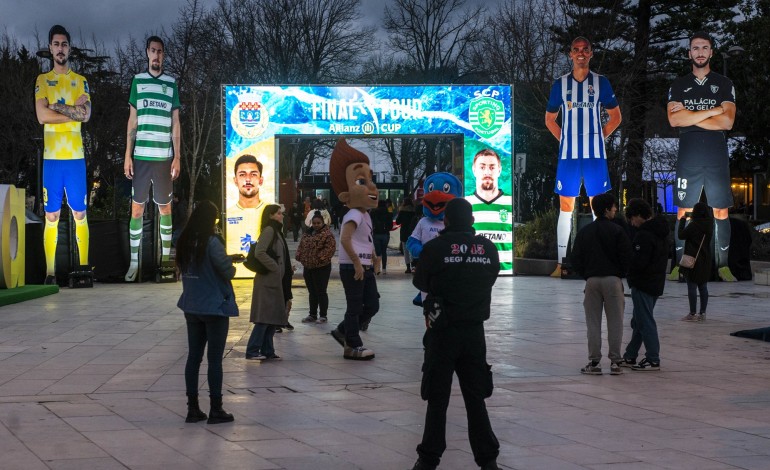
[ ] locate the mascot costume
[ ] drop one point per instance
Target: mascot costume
(439, 188)
(351, 178)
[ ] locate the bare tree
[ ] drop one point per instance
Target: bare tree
(434, 36)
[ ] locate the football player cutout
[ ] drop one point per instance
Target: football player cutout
(153, 149)
(581, 95)
(243, 218)
(62, 103)
(702, 105)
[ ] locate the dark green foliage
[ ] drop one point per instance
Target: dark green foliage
(537, 239)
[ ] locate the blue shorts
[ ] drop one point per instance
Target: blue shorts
(64, 177)
(591, 172)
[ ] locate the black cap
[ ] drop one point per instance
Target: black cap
(459, 212)
(57, 29)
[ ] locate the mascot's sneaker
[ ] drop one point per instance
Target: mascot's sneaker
(131, 274)
(674, 275)
(358, 354)
(557, 272)
(725, 274)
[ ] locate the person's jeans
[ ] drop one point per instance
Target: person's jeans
(407, 255)
(605, 292)
(261, 340)
(460, 349)
(363, 302)
(317, 280)
(202, 329)
(645, 330)
(692, 295)
(381, 247)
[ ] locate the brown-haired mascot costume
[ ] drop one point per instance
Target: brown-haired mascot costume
(351, 178)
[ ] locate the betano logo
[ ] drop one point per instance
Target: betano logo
(249, 119)
(486, 116)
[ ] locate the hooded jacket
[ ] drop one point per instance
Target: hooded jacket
(601, 248)
(649, 260)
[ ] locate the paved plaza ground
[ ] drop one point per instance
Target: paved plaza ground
(93, 379)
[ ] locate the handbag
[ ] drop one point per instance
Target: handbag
(688, 261)
(253, 264)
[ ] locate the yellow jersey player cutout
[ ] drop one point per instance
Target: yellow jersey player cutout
(62, 104)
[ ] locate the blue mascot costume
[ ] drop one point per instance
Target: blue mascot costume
(439, 188)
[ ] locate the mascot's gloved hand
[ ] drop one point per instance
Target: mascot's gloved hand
(414, 246)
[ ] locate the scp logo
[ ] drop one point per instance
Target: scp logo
(486, 93)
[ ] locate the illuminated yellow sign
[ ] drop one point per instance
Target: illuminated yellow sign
(12, 233)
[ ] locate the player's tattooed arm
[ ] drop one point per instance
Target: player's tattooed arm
(77, 113)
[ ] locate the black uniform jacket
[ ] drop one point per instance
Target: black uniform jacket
(461, 268)
(650, 257)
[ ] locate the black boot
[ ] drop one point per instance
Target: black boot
(421, 465)
(194, 413)
(217, 414)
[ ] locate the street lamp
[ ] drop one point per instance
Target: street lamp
(733, 51)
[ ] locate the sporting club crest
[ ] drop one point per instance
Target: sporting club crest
(486, 116)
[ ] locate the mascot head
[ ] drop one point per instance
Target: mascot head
(351, 177)
(439, 189)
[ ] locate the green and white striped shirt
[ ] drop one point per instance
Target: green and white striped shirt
(494, 220)
(154, 99)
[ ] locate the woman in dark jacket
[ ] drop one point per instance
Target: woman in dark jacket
(271, 295)
(405, 217)
(697, 236)
(208, 302)
(382, 223)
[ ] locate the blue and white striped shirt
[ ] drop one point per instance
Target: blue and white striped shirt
(581, 104)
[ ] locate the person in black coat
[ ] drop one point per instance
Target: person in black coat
(647, 279)
(697, 236)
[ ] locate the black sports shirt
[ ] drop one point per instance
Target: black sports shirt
(701, 94)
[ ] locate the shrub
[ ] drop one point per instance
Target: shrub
(537, 239)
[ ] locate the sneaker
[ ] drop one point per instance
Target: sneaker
(323, 320)
(690, 317)
(49, 280)
(359, 353)
(309, 319)
(725, 274)
(289, 326)
(275, 357)
(626, 362)
(674, 275)
(592, 368)
(384, 272)
(490, 466)
(646, 366)
(278, 329)
(338, 337)
(258, 357)
(421, 465)
(615, 369)
(408, 271)
(700, 317)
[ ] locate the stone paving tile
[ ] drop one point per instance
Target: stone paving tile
(107, 382)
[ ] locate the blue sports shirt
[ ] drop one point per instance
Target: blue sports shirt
(581, 106)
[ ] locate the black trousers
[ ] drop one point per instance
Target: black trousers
(203, 329)
(460, 349)
(317, 280)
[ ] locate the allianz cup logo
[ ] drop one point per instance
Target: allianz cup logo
(486, 116)
(249, 118)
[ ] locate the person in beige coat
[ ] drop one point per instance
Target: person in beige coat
(271, 294)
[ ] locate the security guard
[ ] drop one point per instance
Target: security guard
(457, 270)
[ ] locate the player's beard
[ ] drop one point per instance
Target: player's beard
(703, 65)
(488, 184)
(251, 195)
(155, 67)
(61, 61)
